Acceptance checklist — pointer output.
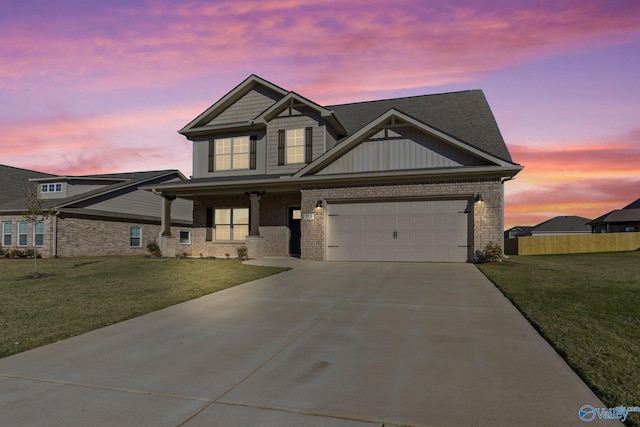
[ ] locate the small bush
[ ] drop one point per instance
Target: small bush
(153, 247)
(28, 253)
(492, 253)
(242, 252)
(17, 253)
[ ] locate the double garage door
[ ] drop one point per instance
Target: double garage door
(417, 231)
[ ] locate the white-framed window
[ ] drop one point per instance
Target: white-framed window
(7, 233)
(135, 237)
(232, 153)
(23, 228)
(231, 224)
(38, 233)
(185, 237)
(295, 146)
(51, 188)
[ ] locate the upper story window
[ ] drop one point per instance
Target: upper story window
(295, 146)
(51, 188)
(235, 153)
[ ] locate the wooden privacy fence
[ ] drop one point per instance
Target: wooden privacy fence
(572, 244)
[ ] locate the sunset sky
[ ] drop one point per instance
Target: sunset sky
(103, 86)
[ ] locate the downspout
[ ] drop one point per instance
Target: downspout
(54, 240)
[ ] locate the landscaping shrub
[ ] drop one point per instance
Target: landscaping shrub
(492, 253)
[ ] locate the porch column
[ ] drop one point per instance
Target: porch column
(254, 198)
(166, 216)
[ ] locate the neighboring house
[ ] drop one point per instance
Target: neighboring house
(518, 231)
(92, 214)
(622, 220)
(408, 179)
(562, 225)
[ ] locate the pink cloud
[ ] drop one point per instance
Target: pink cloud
(336, 49)
(570, 179)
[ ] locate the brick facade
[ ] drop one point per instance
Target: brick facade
(487, 215)
(90, 237)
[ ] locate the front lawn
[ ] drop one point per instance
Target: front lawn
(588, 307)
(82, 294)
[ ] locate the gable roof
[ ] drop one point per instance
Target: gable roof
(563, 224)
(118, 181)
(618, 216)
(200, 122)
(14, 182)
(358, 136)
(633, 205)
(296, 100)
(465, 115)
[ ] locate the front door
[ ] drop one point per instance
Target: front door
(295, 214)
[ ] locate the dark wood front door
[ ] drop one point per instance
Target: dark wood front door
(294, 231)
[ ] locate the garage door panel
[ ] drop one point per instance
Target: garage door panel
(420, 231)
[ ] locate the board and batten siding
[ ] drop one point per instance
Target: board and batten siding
(404, 149)
(248, 107)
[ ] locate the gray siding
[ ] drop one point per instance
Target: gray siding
(140, 202)
(297, 120)
(248, 107)
(401, 149)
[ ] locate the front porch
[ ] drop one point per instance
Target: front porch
(266, 223)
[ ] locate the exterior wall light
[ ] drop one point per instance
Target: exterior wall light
(319, 204)
(478, 198)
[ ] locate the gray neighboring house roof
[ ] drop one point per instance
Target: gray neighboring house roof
(14, 182)
(630, 213)
(518, 231)
(80, 203)
(633, 205)
(563, 224)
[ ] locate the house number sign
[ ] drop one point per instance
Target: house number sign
(307, 216)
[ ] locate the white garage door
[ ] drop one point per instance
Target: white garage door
(432, 231)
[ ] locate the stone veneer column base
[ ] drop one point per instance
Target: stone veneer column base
(168, 246)
(255, 247)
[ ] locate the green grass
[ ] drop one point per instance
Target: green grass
(588, 307)
(83, 294)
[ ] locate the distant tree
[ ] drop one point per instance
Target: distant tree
(35, 213)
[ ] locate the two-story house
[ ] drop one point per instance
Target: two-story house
(409, 179)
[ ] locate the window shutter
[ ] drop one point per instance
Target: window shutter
(253, 147)
(281, 147)
(209, 225)
(211, 154)
(308, 145)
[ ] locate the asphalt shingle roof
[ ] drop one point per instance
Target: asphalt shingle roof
(564, 223)
(14, 182)
(464, 115)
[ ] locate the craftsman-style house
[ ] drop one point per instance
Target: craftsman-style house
(409, 179)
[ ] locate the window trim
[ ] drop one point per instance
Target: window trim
(301, 145)
(188, 242)
(25, 233)
(4, 234)
(231, 224)
(55, 187)
(131, 237)
(36, 234)
(232, 154)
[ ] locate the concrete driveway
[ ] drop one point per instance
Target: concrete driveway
(326, 344)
